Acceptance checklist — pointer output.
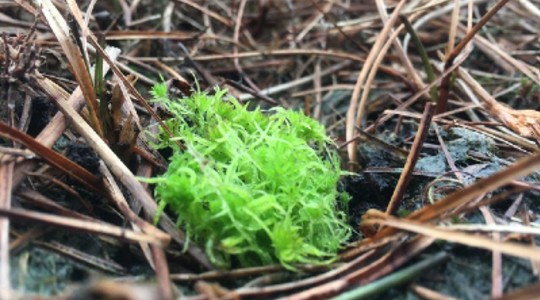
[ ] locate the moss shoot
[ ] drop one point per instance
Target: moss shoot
(252, 188)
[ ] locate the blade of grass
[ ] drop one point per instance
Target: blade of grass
(398, 278)
(423, 55)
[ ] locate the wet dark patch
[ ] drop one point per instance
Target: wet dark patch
(83, 155)
(42, 112)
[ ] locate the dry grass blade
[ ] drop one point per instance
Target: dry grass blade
(22, 239)
(294, 83)
(237, 29)
(62, 32)
(394, 280)
(27, 6)
(80, 225)
(497, 284)
(36, 199)
(471, 240)
(394, 258)
(154, 255)
(313, 282)
(236, 273)
(453, 27)
(93, 41)
(499, 54)
(279, 52)
(405, 60)
(141, 35)
(420, 93)
(425, 293)
(98, 263)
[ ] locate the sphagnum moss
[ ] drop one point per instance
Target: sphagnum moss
(251, 187)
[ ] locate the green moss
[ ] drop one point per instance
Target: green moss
(251, 187)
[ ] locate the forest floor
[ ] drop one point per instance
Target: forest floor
(432, 107)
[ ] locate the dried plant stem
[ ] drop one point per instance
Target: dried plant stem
(162, 272)
(121, 203)
(6, 176)
(99, 263)
(81, 225)
(405, 60)
(61, 30)
(444, 90)
(496, 258)
(511, 248)
(207, 12)
(313, 282)
(453, 27)
(414, 154)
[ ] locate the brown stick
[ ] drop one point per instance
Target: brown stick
(405, 177)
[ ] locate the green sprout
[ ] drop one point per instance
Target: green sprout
(252, 188)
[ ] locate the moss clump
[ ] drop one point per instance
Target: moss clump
(248, 186)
